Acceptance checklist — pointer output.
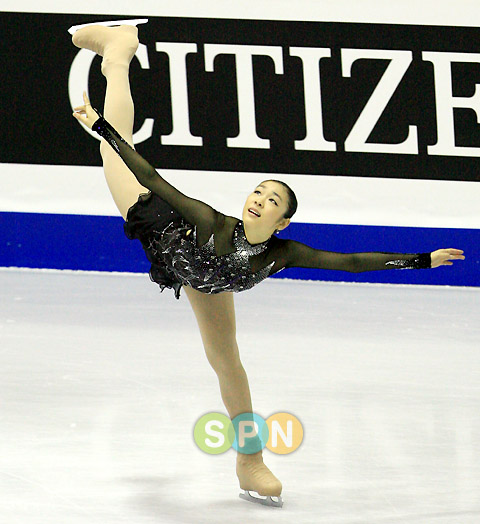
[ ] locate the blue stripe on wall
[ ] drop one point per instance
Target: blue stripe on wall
(97, 243)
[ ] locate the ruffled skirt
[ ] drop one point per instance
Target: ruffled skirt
(146, 220)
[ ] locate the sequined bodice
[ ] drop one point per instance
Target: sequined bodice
(200, 267)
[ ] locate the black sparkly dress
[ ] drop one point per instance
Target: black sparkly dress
(190, 243)
(171, 246)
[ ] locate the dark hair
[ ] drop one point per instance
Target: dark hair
(292, 199)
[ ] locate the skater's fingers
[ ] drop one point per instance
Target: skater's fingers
(444, 257)
(86, 114)
(77, 116)
(84, 119)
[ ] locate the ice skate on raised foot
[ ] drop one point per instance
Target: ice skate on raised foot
(110, 23)
(259, 484)
(115, 44)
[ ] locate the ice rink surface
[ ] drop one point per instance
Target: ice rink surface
(102, 379)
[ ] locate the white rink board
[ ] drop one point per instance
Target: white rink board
(322, 199)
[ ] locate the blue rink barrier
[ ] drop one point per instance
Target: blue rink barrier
(97, 243)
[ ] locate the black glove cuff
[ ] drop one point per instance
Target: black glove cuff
(420, 261)
(106, 131)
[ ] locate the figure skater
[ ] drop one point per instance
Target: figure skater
(210, 255)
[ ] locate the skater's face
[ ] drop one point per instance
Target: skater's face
(265, 209)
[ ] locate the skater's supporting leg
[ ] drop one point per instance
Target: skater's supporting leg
(216, 319)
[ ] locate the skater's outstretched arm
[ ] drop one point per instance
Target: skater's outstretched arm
(301, 255)
(194, 211)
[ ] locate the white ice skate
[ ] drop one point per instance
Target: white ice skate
(110, 23)
(274, 502)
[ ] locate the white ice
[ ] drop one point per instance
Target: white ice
(102, 379)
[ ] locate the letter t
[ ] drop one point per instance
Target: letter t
(247, 136)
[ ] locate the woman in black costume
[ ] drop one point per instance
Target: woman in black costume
(193, 246)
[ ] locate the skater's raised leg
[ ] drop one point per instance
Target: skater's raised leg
(117, 46)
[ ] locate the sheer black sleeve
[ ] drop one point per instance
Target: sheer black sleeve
(193, 211)
(301, 255)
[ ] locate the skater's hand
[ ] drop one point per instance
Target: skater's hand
(86, 114)
(443, 257)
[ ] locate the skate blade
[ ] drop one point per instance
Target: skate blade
(274, 502)
(136, 21)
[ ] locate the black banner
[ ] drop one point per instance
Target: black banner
(270, 96)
